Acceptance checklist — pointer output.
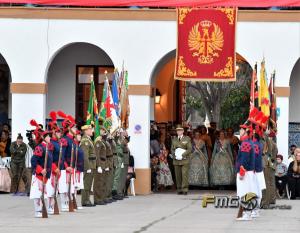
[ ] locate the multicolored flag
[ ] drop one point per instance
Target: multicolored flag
(115, 92)
(90, 111)
(107, 112)
(273, 105)
(254, 90)
(124, 102)
(96, 118)
(264, 96)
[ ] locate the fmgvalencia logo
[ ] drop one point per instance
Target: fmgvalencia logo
(248, 202)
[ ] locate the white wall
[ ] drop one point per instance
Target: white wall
(29, 46)
(295, 94)
(62, 74)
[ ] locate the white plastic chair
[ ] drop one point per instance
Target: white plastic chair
(132, 190)
(288, 192)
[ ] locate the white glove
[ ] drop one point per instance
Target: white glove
(99, 170)
(122, 165)
(107, 169)
(89, 171)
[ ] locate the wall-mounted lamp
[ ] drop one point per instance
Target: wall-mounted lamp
(157, 96)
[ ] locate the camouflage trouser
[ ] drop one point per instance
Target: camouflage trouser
(18, 172)
(87, 182)
(269, 194)
(99, 187)
(117, 174)
(122, 185)
(109, 177)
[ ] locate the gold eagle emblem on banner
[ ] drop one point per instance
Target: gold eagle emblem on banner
(208, 43)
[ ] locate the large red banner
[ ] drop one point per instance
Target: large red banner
(162, 3)
(206, 44)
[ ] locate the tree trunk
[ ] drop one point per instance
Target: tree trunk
(217, 112)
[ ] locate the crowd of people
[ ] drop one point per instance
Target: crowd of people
(211, 162)
(66, 161)
(213, 158)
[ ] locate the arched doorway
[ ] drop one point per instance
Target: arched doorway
(175, 104)
(69, 78)
(294, 101)
(196, 104)
(5, 96)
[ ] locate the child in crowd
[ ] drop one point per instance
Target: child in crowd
(154, 172)
(164, 176)
(280, 176)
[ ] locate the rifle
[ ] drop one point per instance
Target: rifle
(44, 210)
(71, 206)
(75, 166)
(56, 210)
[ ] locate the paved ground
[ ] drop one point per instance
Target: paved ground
(154, 213)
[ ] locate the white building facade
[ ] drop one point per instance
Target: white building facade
(43, 46)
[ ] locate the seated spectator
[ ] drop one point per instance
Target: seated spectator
(292, 153)
(154, 172)
(294, 175)
(131, 173)
(5, 144)
(280, 176)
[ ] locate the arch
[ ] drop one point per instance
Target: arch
(63, 72)
(68, 45)
(160, 64)
(5, 95)
(162, 77)
(294, 83)
(171, 55)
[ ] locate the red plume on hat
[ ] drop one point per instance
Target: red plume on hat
(264, 122)
(34, 123)
(252, 114)
(37, 132)
(53, 116)
(53, 123)
(61, 114)
(69, 121)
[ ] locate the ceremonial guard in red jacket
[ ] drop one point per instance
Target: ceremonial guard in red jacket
(245, 165)
(59, 145)
(41, 163)
(66, 182)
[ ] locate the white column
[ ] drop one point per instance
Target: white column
(152, 108)
(283, 127)
(24, 108)
(140, 139)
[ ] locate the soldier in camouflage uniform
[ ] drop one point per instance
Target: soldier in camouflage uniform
(119, 167)
(18, 152)
(88, 148)
(126, 154)
(99, 182)
(108, 171)
(269, 156)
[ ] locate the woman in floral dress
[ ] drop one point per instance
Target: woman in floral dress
(222, 169)
(164, 176)
(198, 173)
